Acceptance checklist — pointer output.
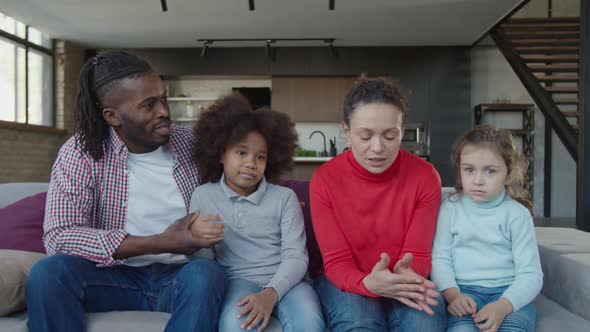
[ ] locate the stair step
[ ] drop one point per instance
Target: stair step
(570, 114)
(566, 101)
(550, 58)
(558, 78)
(562, 89)
(537, 34)
(546, 41)
(519, 132)
(547, 49)
(546, 25)
(528, 20)
(564, 67)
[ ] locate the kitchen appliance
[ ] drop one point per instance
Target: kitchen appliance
(416, 139)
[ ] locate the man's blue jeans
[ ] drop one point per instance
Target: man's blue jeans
(62, 288)
(347, 312)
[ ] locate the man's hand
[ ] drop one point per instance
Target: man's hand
(403, 284)
(207, 227)
(260, 306)
(491, 316)
(462, 305)
(178, 239)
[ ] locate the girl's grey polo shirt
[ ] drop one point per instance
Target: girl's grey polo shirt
(264, 238)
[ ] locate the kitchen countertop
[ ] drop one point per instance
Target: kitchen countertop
(311, 159)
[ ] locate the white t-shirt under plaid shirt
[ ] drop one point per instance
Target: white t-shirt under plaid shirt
(87, 200)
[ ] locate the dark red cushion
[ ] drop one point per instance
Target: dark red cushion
(21, 224)
(301, 188)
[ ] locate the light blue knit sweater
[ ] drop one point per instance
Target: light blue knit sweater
(489, 244)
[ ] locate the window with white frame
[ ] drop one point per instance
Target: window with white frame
(26, 74)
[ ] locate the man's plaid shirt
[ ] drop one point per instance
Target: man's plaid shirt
(86, 204)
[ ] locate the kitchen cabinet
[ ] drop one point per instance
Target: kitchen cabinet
(310, 99)
(186, 110)
(190, 95)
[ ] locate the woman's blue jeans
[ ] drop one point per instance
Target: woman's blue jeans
(62, 288)
(347, 312)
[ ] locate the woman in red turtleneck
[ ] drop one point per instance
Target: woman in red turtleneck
(374, 211)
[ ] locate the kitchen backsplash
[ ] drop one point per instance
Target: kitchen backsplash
(330, 130)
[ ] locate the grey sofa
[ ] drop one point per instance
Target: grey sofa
(564, 304)
(119, 321)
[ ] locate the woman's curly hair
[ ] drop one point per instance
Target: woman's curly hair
(384, 90)
(501, 141)
(228, 121)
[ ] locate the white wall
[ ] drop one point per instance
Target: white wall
(493, 80)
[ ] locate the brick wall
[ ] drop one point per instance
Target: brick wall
(69, 59)
(28, 152)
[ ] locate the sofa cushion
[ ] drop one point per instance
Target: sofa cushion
(566, 280)
(563, 240)
(15, 191)
(301, 188)
(14, 270)
(21, 224)
(552, 317)
(126, 321)
(15, 323)
(140, 321)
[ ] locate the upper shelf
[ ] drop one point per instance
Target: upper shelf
(189, 99)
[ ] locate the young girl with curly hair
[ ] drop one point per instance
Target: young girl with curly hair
(485, 258)
(240, 152)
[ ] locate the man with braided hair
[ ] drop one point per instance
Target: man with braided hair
(117, 227)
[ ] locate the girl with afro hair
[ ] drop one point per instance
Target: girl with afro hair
(240, 151)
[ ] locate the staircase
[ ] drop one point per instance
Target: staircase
(545, 54)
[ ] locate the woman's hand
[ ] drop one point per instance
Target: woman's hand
(462, 305)
(260, 306)
(403, 284)
(491, 316)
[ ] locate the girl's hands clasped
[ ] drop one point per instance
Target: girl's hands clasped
(462, 305)
(491, 316)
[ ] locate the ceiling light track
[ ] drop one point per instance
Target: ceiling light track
(267, 43)
(211, 40)
(251, 5)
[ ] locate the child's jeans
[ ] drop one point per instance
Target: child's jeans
(523, 320)
(299, 310)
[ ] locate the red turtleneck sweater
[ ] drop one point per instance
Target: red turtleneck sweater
(357, 215)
